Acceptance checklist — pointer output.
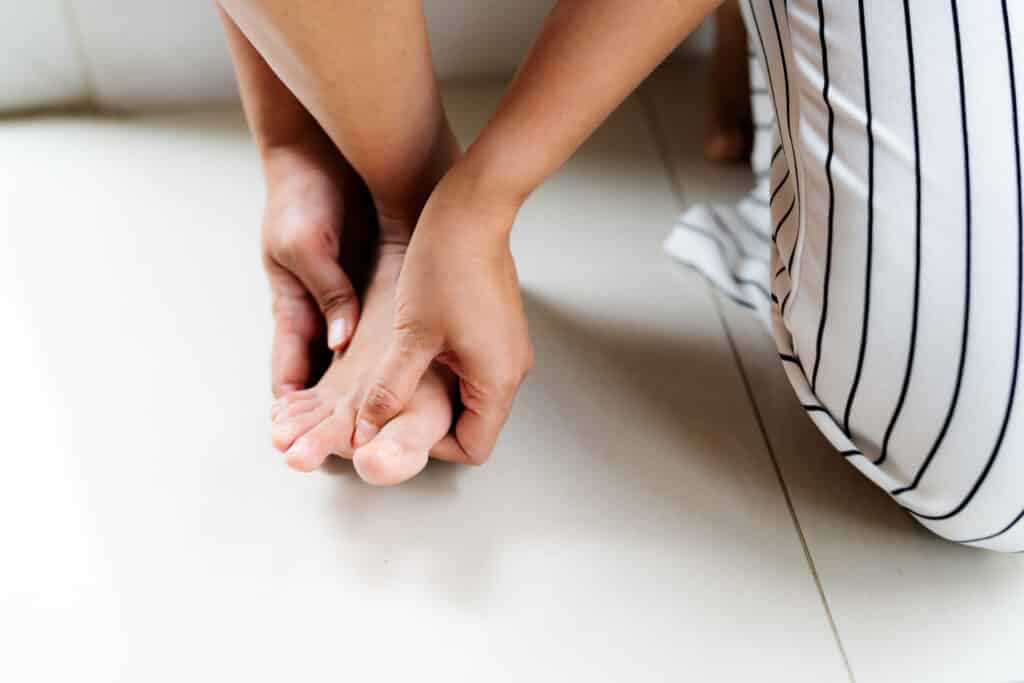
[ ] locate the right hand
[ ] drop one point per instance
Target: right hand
(301, 237)
(457, 301)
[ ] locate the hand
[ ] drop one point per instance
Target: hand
(313, 424)
(458, 301)
(301, 238)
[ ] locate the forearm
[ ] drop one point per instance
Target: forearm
(589, 56)
(276, 118)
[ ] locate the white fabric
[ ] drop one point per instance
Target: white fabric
(891, 279)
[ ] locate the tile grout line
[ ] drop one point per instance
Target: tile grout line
(661, 143)
(84, 69)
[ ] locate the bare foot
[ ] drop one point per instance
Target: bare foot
(730, 132)
(312, 424)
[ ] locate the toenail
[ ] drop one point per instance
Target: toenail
(337, 332)
(365, 432)
(303, 448)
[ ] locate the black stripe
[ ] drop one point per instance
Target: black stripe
(870, 222)
(789, 115)
(791, 359)
(955, 398)
(792, 254)
(850, 453)
(775, 154)
(815, 409)
(771, 83)
(785, 299)
(1013, 523)
(733, 237)
(785, 216)
(1020, 273)
(782, 183)
(721, 248)
(831, 197)
(750, 227)
(917, 239)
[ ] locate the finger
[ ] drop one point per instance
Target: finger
(295, 325)
(477, 429)
(330, 437)
(400, 451)
(449, 450)
(334, 295)
(289, 359)
(399, 373)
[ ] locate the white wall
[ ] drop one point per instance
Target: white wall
(152, 53)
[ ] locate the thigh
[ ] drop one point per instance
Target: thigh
(897, 244)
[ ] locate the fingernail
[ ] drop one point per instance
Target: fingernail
(336, 333)
(365, 432)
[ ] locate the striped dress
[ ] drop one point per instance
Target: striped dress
(884, 243)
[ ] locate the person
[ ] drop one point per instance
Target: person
(884, 243)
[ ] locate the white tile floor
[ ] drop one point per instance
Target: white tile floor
(636, 522)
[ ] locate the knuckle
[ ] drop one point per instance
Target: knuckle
(507, 380)
(296, 315)
(412, 335)
(507, 384)
(293, 239)
(337, 298)
(381, 399)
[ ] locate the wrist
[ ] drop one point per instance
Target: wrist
(482, 186)
(282, 159)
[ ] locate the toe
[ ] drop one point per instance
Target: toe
(296, 408)
(330, 437)
(384, 462)
(401, 449)
(284, 432)
(290, 399)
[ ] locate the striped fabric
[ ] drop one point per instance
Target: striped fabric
(884, 243)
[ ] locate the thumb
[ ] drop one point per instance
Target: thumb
(406, 360)
(334, 295)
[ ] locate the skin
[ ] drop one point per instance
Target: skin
(376, 100)
(461, 240)
(322, 219)
(730, 132)
(307, 181)
(307, 424)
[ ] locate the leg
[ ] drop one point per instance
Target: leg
(378, 101)
(363, 69)
(900, 301)
(729, 129)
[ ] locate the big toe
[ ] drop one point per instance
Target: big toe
(384, 462)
